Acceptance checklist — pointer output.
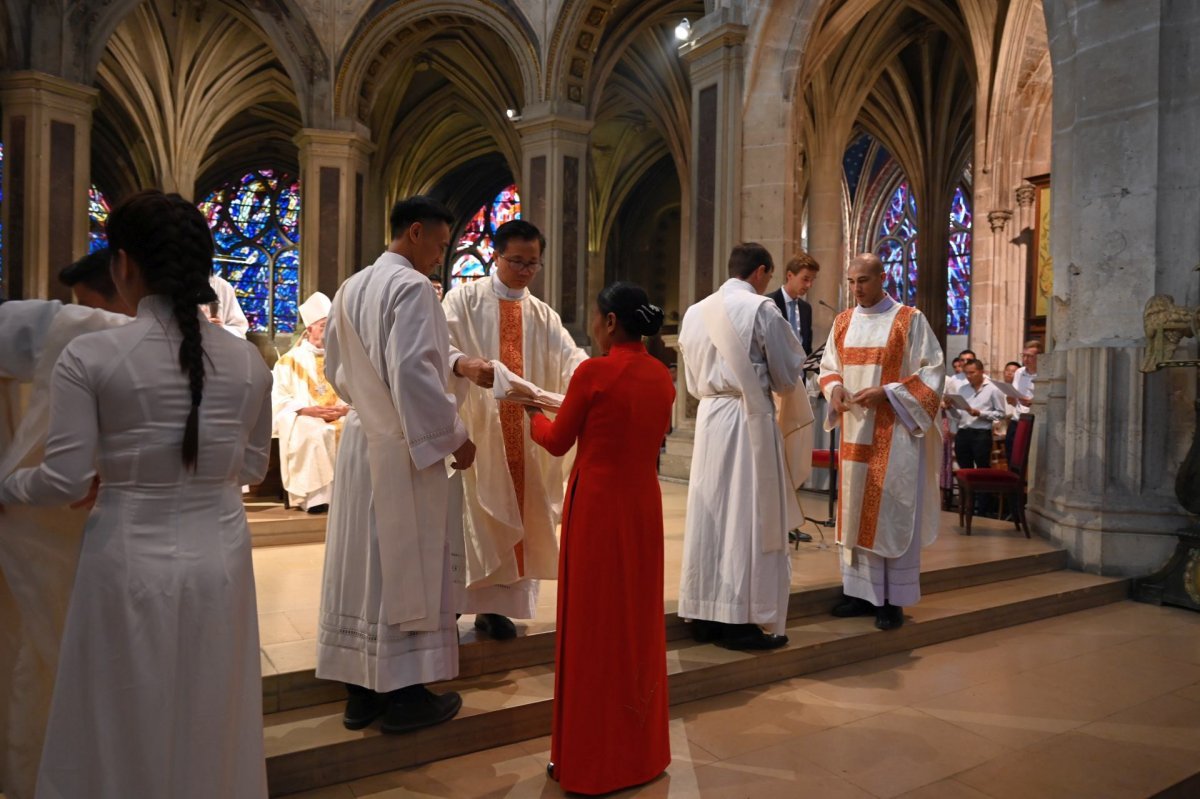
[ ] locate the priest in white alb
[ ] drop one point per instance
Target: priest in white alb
(39, 547)
(308, 413)
(738, 349)
(883, 373)
(393, 547)
(513, 498)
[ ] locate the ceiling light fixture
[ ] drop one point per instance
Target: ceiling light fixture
(683, 31)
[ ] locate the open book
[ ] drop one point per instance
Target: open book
(1008, 389)
(958, 402)
(507, 386)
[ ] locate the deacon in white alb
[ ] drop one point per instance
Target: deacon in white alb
(308, 413)
(883, 374)
(227, 312)
(513, 499)
(388, 601)
(40, 545)
(737, 349)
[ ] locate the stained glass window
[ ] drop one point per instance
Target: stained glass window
(958, 291)
(98, 210)
(255, 222)
(897, 245)
(474, 255)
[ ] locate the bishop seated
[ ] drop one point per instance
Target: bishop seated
(308, 413)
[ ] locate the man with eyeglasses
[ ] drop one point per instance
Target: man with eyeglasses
(513, 500)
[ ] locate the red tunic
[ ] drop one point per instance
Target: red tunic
(610, 680)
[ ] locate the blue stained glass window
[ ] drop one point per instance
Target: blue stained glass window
(255, 222)
(98, 210)
(897, 245)
(958, 286)
(474, 255)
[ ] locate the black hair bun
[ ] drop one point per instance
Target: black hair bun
(632, 307)
(646, 320)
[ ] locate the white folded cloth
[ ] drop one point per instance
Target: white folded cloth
(508, 386)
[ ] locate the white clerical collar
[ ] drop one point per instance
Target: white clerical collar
(883, 306)
(308, 345)
(504, 292)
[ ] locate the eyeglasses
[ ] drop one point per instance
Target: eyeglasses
(522, 266)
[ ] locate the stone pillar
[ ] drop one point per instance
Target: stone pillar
(334, 187)
(554, 153)
(998, 339)
(715, 62)
(825, 238)
(1124, 205)
(47, 128)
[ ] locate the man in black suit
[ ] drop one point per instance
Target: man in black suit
(797, 279)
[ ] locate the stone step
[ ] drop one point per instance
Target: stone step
(675, 467)
(478, 656)
(309, 748)
(272, 525)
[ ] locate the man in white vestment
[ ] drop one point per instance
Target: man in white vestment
(883, 374)
(513, 499)
(39, 547)
(227, 312)
(737, 349)
(308, 413)
(393, 547)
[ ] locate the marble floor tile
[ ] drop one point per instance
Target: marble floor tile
(945, 789)
(1169, 723)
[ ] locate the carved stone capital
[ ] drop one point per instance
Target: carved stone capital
(1025, 194)
(998, 219)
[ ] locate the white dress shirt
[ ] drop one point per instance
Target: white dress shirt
(988, 400)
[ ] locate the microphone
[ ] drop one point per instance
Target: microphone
(827, 305)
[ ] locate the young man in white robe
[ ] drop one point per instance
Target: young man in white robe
(883, 374)
(388, 599)
(308, 413)
(39, 547)
(227, 312)
(738, 349)
(513, 499)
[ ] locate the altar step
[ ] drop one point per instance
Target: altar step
(273, 525)
(307, 747)
(676, 462)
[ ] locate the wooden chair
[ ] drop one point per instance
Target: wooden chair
(1009, 482)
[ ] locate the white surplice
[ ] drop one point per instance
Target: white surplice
(228, 309)
(388, 621)
(889, 456)
(307, 445)
(39, 547)
(734, 570)
(159, 688)
(493, 522)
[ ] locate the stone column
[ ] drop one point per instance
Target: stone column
(1126, 190)
(825, 237)
(334, 187)
(999, 338)
(715, 62)
(554, 153)
(47, 128)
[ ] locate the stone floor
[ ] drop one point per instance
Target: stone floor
(1100, 704)
(289, 577)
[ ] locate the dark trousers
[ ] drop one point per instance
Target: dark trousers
(973, 450)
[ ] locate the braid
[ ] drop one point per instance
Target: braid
(170, 241)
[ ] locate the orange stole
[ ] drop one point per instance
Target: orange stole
(512, 414)
(876, 454)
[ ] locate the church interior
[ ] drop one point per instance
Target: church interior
(1026, 170)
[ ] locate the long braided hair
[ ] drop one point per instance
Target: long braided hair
(167, 237)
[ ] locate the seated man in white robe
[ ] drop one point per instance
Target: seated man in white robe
(883, 374)
(39, 546)
(393, 552)
(513, 501)
(308, 413)
(738, 349)
(226, 311)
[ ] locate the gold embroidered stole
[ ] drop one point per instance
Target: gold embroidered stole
(512, 414)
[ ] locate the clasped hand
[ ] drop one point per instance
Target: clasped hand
(841, 400)
(323, 413)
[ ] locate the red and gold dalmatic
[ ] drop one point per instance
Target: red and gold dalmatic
(888, 460)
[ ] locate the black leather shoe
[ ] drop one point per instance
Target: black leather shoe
(550, 772)
(705, 632)
(496, 626)
(889, 617)
(363, 707)
(315, 509)
(852, 606)
(416, 706)
(752, 638)
(799, 535)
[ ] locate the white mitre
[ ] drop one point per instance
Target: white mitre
(314, 309)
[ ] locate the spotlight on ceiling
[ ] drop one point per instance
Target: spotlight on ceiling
(511, 113)
(683, 31)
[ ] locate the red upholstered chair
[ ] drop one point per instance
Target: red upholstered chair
(1005, 482)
